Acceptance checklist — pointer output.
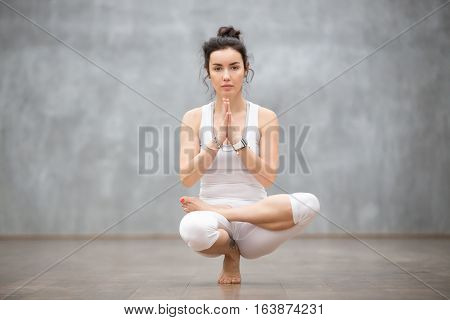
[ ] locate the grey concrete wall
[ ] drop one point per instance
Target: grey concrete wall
(377, 148)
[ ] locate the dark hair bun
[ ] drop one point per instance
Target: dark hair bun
(228, 32)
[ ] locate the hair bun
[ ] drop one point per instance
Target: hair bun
(228, 32)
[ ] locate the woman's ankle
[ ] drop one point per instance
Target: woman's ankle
(233, 249)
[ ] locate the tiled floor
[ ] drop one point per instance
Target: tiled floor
(168, 269)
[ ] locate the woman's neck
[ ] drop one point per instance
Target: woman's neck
(237, 105)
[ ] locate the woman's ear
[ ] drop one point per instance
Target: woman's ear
(247, 70)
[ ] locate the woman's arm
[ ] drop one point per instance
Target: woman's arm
(264, 167)
(193, 161)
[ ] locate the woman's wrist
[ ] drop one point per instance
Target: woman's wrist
(217, 143)
(240, 145)
(211, 145)
(235, 140)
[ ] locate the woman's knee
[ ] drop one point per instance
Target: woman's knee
(305, 206)
(313, 203)
(199, 230)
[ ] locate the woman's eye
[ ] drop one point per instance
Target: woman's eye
(219, 68)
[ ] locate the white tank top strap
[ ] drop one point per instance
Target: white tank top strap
(252, 132)
(205, 132)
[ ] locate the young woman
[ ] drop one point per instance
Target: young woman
(231, 146)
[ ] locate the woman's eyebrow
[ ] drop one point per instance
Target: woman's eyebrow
(218, 64)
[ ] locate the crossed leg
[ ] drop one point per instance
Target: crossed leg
(275, 213)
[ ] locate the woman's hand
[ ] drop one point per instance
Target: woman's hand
(233, 133)
(222, 130)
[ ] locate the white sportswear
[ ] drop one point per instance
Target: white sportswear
(227, 181)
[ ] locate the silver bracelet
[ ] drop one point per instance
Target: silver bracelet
(206, 146)
(214, 139)
(219, 146)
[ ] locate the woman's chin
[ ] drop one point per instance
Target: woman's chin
(227, 94)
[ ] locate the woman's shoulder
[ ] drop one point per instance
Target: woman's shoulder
(196, 111)
(266, 115)
(193, 117)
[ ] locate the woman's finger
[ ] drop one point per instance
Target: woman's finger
(228, 124)
(225, 116)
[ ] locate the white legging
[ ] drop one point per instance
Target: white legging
(199, 229)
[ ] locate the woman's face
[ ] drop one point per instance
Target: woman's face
(227, 72)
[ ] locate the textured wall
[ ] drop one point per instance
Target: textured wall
(377, 147)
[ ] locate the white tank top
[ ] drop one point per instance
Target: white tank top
(227, 180)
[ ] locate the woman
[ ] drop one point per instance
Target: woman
(231, 146)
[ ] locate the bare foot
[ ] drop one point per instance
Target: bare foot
(230, 273)
(195, 204)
